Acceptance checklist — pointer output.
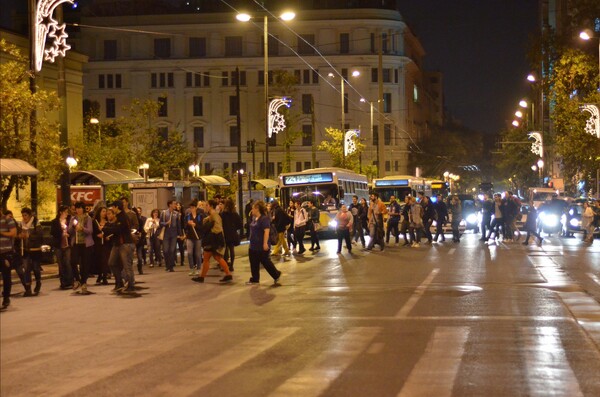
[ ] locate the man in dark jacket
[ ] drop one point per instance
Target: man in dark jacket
(487, 210)
(442, 217)
(281, 222)
(31, 236)
(121, 255)
(428, 215)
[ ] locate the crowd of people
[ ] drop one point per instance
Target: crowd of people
(105, 241)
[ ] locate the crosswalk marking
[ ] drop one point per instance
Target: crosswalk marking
(412, 301)
(188, 382)
(106, 363)
(549, 372)
(315, 379)
(436, 370)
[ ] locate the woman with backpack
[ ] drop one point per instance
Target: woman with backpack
(260, 246)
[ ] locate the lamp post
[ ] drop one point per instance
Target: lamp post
(540, 166)
(587, 35)
(285, 16)
(144, 167)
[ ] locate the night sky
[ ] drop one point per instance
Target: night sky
(480, 47)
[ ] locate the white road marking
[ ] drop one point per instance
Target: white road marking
(435, 372)
(451, 251)
(594, 277)
(548, 369)
(318, 376)
(188, 382)
(412, 301)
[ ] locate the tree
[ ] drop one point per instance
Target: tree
(334, 145)
(515, 159)
(17, 105)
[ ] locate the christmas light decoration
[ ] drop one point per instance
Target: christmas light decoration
(47, 27)
(349, 142)
(537, 147)
(276, 119)
(592, 124)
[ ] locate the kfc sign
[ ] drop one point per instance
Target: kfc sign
(87, 194)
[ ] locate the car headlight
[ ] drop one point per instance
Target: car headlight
(46, 248)
(551, 220)
(574, 222)
(472, 218)
(333, 224)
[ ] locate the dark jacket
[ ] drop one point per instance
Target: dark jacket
(442, 211)
(280, 219)
(531, 222)
(232, 222)
(33, 241)
(120, 230)
(193, 232)
(56, 232)
(428, 211)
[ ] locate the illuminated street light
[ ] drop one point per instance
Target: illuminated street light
(531, 78)
(71, 162)
(515, 123)
(523, 103)
(519, 114)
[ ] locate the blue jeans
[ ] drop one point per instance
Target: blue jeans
(31, 262)
(121, 264)
(194, 252)
(169, 250)
(63, 257)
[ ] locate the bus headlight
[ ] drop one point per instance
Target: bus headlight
(575, 222)
(472, 219)
(333, 224)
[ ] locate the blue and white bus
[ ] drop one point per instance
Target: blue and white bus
(320, 184)
(400, 186)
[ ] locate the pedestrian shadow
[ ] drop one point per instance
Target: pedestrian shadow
(82, 293)
(260, 296)
(130, 295)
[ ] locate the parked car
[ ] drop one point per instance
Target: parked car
(571, 221)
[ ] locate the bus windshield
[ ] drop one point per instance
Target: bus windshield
(325, 197)
(400, 192)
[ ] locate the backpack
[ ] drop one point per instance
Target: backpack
(273, 235)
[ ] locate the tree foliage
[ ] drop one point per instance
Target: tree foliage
(513, 163)
(17, 103)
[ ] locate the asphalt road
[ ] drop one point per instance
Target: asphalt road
(443, 320)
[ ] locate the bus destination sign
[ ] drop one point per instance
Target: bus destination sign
(391, 182)
(323, 177)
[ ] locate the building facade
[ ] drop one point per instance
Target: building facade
(187, 62)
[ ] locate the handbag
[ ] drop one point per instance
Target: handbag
(161, 234)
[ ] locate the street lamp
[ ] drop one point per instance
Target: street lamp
(144, 167)
(285, 16)
(540, 166)
(95, 121)
(587, 35)
(194, 169)
(355, 73)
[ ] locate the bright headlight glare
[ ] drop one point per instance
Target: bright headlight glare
(472, 218)
(551, 220)
(333, 224)
(574, 222)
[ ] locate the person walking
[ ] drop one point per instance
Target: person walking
(8, 232)
(80, 231)
(531, 226)
(232, 227)
(151, 227)
(192, 223)
(291, 239)
(259, 249)
(456, 216)
(121, 254)
(213, 242)
(405, 221)
(30, 238)
(357, 211)
(375, 221)
(62, 247)
(487, 210)
(281, 221)
(171, 222)
(587, 223)
(498, 220)
(417, 225)
(345, 223)
(300, 220)
(313, 226)
(442, 217)
(393, 222)
(101, 247)
(428, 215)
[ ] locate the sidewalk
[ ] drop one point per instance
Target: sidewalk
(51, 270)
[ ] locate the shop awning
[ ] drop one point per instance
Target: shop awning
(17, 167)
(267, 183)
(214, 180)
(105, 177)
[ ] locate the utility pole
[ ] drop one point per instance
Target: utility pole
(313, 133)
(33, 115)
(239, 148)
(65, 177)
(380, 132)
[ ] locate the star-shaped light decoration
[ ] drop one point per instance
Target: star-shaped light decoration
(537, 147)
(350, 142)
(592, 124)
(276, 119)
(46, 26)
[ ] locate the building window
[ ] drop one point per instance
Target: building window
(273, 46)
(162, 48)
(375, 135)
(273, 140)
(306, 76)
(384, 45)
(387, 102)
(110, 108)
(225, 79)
(162, 107)
(345, 103)
(307, 135)
(387, 134)
(298, 166)
(344, 43)
(234, 136)
(110, 50)
(163, 133)
(207, 168)
(161, 80)
(233, 46)
(197, 47)
(307, 104)
(100, 81)
(306, 44)
(307, 165)
(315, 74)
(198, 136)
(117, 81)
(387, 165)
(109, 81)
(197, 106)
(234, 76)
(153, 80)
(386, 75)
(233, 105)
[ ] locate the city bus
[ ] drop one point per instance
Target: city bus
(400, 186)
(438, 187)
(318, 185)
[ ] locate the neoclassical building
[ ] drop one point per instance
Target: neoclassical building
(187, 61)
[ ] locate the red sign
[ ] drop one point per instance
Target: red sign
(87, 194)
